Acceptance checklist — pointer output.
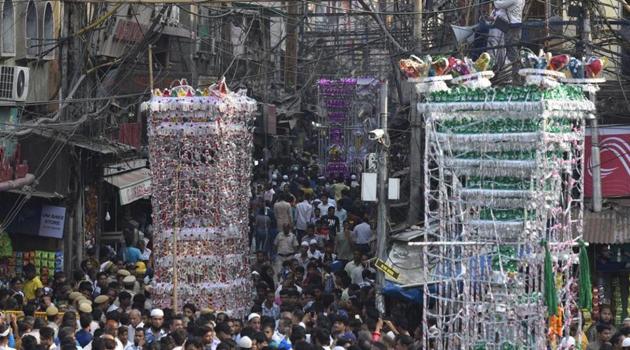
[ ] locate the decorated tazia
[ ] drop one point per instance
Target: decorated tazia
(433, 72)
(572, 67)
(415, 67)
(502, 164)
(346, 104)
(505, 94)
(200, 146)
(547, 71)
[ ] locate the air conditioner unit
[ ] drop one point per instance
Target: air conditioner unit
(13, 83)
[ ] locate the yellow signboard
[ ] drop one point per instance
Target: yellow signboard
(386, 269)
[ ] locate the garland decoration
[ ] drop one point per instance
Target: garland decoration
(200, 145)
(502, 169)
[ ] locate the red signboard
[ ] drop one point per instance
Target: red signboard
(614, 144)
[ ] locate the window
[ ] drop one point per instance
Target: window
(32, 45)
(48, 35)
(8, 29)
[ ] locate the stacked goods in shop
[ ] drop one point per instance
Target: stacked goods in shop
(46, 262)
(44, 259)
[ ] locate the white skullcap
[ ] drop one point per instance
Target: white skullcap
(252, 316)
(157, 313)
(244, 343)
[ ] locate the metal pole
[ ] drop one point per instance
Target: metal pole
(151, 67)
(595, 159)
(416, 153)
(290, 56)
(381, 227)
(596, 169)
(586, 29)
(417, 28)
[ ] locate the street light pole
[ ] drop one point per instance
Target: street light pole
(381, 225)
(595, 165)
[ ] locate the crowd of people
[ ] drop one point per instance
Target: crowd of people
(312, 244)
(312, 247)
(601, 334)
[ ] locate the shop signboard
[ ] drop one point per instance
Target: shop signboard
(133, 193)
(132, 185)
(52, 221)
(614, 144)
(38, 219)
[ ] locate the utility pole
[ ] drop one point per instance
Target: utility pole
(290, 55)
(417, 25)
(596, 168)
(585, 48)
(416, 151)
(381, 224)
(265, 28)
(416, 148)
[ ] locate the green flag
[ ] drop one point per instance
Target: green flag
(551, 297)
(586, 295)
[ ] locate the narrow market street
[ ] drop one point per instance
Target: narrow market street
(314, 175)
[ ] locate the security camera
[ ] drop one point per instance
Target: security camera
(376, 134)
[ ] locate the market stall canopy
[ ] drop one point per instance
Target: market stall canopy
(132, 185)
(610, 226)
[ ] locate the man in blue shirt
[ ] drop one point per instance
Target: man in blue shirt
(83, 336)
(132, 255)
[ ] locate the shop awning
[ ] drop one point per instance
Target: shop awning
(132, 185)
(99, 145)
(610, 226)
(38, 194)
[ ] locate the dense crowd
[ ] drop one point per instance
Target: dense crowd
(311, 241)
(602, 334)
(312, 244)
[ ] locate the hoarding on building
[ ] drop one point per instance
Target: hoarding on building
(614, 144)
